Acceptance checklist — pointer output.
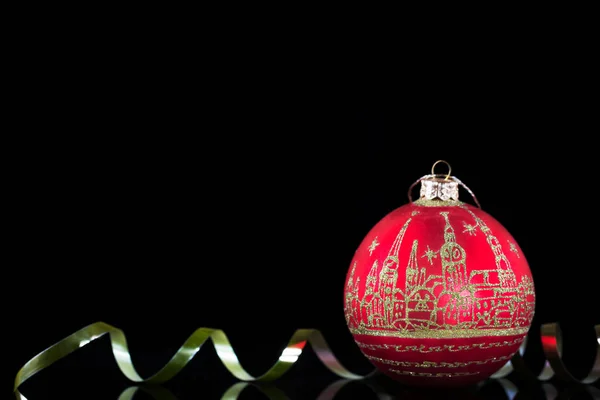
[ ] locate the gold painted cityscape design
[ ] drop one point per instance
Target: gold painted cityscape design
(483, 302)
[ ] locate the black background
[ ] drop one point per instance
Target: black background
(235, 199)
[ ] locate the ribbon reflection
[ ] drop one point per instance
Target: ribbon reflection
(270, 391)
(509, 391)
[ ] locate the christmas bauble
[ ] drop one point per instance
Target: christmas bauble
(439, 292)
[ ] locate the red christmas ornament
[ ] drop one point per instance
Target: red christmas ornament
(439, 292)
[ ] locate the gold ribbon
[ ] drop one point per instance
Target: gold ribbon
(186, 352)
(550, 334)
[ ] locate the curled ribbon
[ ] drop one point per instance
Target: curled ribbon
(554, 366)
(550, 333)
(182, 357)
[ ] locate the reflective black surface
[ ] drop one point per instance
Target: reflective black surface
(73, 379)
(298, 388)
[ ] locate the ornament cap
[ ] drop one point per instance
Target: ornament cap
(440, 187)
(435, 188)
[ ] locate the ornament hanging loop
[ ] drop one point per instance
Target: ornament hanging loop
(438, 162)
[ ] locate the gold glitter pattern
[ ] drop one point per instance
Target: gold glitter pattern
(432, 374)
(445, 332)
(440, 364)
(373, 246)
(430, 254)
(457, 303)
(513, 248)
(470, 229)
(437, 203)
(422, 348)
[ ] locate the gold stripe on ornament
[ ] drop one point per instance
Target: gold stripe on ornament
(550, 335)
(402, 348)
(437, 203)
(441, 333)
(438, 364)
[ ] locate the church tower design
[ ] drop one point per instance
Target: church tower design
(505, 273)
(456, 300)
(412, 269)
(387, 287)
(453, 256)
(371, 286)
(351, 301)
(388, 277)
(372, 303)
